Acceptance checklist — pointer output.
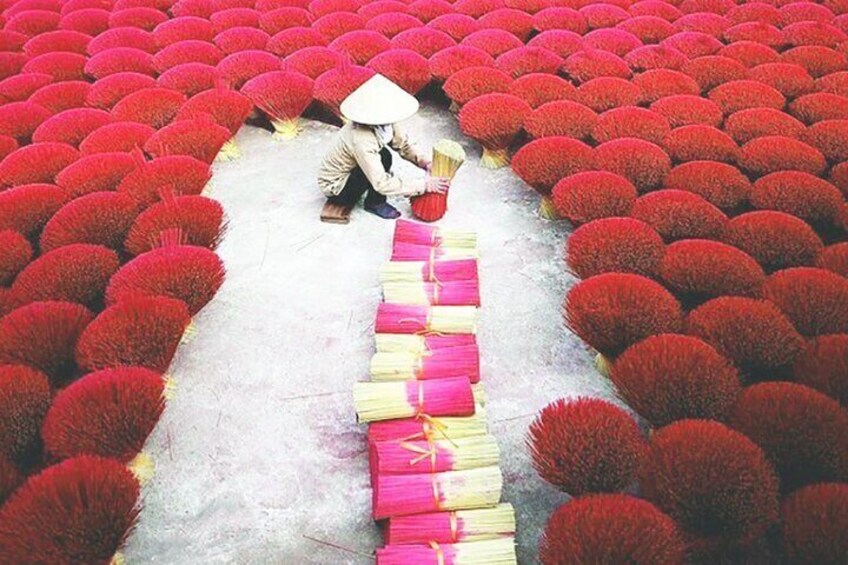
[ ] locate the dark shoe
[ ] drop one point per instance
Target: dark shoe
(384, 210)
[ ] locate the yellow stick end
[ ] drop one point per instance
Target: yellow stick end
(602, 365)
(285, 130)
(229, 151)
(494, 158)
(189, 333)
(547, 209)
(118, 559)
(169, 387)
(142, 467)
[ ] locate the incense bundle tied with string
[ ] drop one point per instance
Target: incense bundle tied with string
(405, 319)
(439, 364)
(420, 344)
(405, 251)
(425, 427)
(402, 495)
(448, 157)
(488, 552)
(456, 293)
(433, 236)
(452, 527)
(407, 399)
(426, 271)
(409, 457)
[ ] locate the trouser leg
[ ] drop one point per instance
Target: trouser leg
(374, 198)
(357, 185)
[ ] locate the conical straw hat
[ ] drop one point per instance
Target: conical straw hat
(379, 102)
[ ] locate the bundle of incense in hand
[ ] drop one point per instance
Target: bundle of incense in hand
(402, 495)
(402, 251)
(489, 552)
(452, 527)
(426, 271)
(406, 399)
(456, 293)
(432, 236)
(412, 457)
(425, 427)
(421, 343)
(439, 364)
(448, 157)
(403, 319)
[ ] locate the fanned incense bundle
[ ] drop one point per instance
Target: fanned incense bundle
(420, 234)
(439, 364)
(456, 293)
(401, 495)
(452, 527)
(489, 552)
(402, 319)
(412, 457)
(427, 427)
(420, 344)
(448, 157)
(406, 399)
(402, 251)
(426, 271)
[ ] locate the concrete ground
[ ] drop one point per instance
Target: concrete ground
(259, 458)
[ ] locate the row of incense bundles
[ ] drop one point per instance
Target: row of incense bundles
(435, 471)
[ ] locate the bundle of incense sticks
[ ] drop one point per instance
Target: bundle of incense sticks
(404, 319)
(421, 343)
(402, 495)
(488, 552)
(412, 457)
(427, 271)
(425, 427)
(405, 399)
(402, 251)
(451, 362)
(452, 527)
(432, 236)
(456, 293)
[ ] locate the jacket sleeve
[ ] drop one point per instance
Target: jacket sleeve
(366, 151)
(405, 148)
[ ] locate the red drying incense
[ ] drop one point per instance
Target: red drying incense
(406, 399)
(402, 251)
(429, 271)
(423, 234)
(420, 343)
(427, 427)
(456, 293)
(488, 552)
(452, 527)
(402, 495)
(411, 457)
(439, 364)
(402, 319)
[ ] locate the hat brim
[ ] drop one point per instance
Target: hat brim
(378, 102)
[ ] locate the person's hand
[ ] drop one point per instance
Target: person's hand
(436, 185)
(426, 165)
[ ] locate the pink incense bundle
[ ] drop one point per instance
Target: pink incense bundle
(452, 527)
(412, 457)
(403, 319)
(439, 364)
(455, 293)
(488, 552)
(424, 234)
(404, 251)
(426, 427)
(406, 399)
(427, 271)
(402, 495)
(411, 343)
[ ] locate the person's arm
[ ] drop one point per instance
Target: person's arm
(366, 151)
(406, 149)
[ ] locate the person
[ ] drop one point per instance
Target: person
(360, 161)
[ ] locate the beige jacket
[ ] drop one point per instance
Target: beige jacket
(357, 145)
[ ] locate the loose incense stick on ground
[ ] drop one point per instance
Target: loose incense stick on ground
(456, 293)
(392, 400)
(410, 457)
(452, 527)
(421, 344)
(402, 319)
(451, 362)
(437, 271)
(428, 427)
(423, 234)
(489, 552)
(402, 251)
(402, 495)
